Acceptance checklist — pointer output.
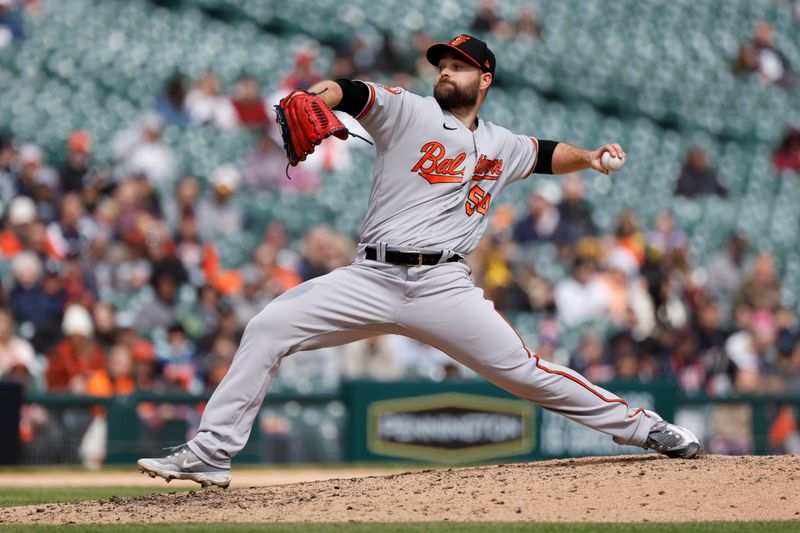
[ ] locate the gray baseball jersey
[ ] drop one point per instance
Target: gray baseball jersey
(434, 182)
(434, 179)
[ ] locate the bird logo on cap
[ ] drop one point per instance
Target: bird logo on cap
(460, 39)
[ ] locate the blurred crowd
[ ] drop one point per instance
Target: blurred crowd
(637, 305)
(112, 280)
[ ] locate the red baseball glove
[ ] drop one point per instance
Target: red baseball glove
(305, 120)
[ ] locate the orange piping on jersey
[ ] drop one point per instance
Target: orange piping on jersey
(540, 366)
(535, 155)
(369, 104)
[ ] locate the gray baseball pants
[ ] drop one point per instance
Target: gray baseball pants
(438, 305)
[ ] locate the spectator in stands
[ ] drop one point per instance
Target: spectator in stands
(36, 241)
(747, 61)
(762, 289)
(160, 253)
(207, 310)
(789, 366)
(708, 326)
(590, 360)
(179, 360)
(76, 356)
(726, 268)
(38, 180)
(219, 215)
(277, 278)
(697, 178)
(117, 378)
(253, 297)
(21, 214)
(786, 158)
(630, 242)
(77, 284)
(498, 278)
(666, 236)
(303, 74)
(543, 223)
(171, 105)
(423, 67)
(145, 375)
(275, 236)
(685, 363)
(751, 353)
(362, 52)
(17, 359)
(265, 167)
(773, 66)
(388, 57)
(314, 252)
(581, 297)
(217, 362)
(10, 25)
(527, 24)
(372, 358)
(77, 171)
(626, 357)
(8, 158)
(182, 202)
(10, 244)
(486, 17)
(251, 109)
(189, 249)
(140, 152)
(34, 307)
(207, 106)
(226, 324)
(159, 311)
(574, 211)
(105, 325)
(73, 231)
(101, 264)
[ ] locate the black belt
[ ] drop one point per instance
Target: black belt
(409, 258)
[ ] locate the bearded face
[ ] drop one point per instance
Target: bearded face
(451, 95)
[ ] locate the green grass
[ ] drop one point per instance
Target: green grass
(36, 495)
(436, 527)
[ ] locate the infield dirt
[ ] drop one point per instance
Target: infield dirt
(600, 489)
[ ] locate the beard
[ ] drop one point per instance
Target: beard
(450, 96)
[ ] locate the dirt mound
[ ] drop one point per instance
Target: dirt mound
(600, 489)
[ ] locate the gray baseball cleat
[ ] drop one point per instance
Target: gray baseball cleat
(182, 463)
(670, 439)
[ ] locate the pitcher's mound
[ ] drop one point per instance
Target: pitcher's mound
(599, 489)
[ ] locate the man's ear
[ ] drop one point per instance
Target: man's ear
(486, 80)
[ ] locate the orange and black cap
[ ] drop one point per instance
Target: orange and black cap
(473, 49)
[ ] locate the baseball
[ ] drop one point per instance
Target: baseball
(612, 163)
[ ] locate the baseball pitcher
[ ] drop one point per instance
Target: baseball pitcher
(439, 168)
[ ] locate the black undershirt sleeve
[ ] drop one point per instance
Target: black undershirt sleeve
(354, 96)
(544, 160)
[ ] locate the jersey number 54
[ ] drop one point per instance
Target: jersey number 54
(477, 200)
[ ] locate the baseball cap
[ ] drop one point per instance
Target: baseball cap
(79, 141)
(22, 211)
(30, 153)
(77, 321)
(226, 177)
(473, 49)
